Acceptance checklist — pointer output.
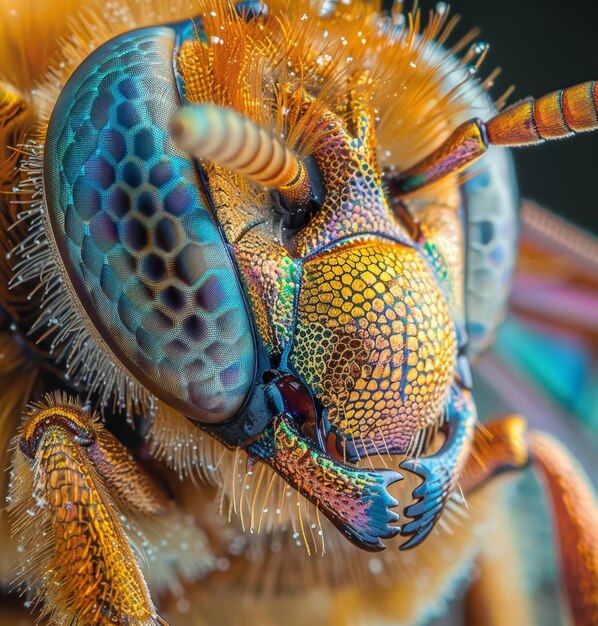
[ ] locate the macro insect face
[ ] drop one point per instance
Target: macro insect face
(277, 300)
(247, 236)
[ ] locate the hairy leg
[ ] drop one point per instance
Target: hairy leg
(504, 445)
(575, 513)
(71, 481)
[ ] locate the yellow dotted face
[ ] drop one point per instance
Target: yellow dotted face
(376, 342)
(363, 311)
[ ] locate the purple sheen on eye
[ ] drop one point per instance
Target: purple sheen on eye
(230, 376)
(131, 174)
(98, 170)
(114, 142)
(173, 298)
(191, 266)
(165, 235)
(160, 174)
(178, 201)
(104, 232)
(134, 235)
(127, 115)
(210, 296)
(119, 202)
(128, 89)
(196, 328)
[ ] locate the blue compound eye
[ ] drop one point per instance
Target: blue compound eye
(139, 245)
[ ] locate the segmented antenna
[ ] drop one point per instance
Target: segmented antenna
(557, 115)
(218, 134)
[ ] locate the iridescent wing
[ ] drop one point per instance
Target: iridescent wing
(544, 365)
(549, 341)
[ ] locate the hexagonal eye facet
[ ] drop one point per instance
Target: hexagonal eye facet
(133, 231)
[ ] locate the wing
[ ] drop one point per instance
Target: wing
(550, 339)
(544, 365)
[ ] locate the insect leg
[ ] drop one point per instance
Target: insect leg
(575, 512)
(505, 445)
(498, 447)
(68, 478)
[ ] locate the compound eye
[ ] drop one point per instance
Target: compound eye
(150, 272)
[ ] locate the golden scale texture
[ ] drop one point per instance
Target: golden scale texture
(342, 159)
(392, 323)
(404, 88)
(274, 276)
(84, 565)
(376, 341)
(240, 65)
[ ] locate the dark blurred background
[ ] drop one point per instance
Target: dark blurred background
(543, 45)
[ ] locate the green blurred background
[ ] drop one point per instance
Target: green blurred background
(543, 45)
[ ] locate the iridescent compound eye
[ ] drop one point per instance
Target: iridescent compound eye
(140, 249)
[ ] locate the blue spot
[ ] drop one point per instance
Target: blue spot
(110, 284)
(195, 328)
(131, 174)
(100, 110)
(73, 226)
(126, 313)
(147, 204)
(166, 235)
(481, 181)
(100, 171)
(86, 199)
(160, 174)
(144, 144)
(173, 298)
(114, 143)
(153, 267)
(210, 296)
(104, 232)
(178, 201)
(231, 376)
(127, 115)
(119, 202)
(92, 258)
(134, 235)
(128, 89)
(176, 349)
